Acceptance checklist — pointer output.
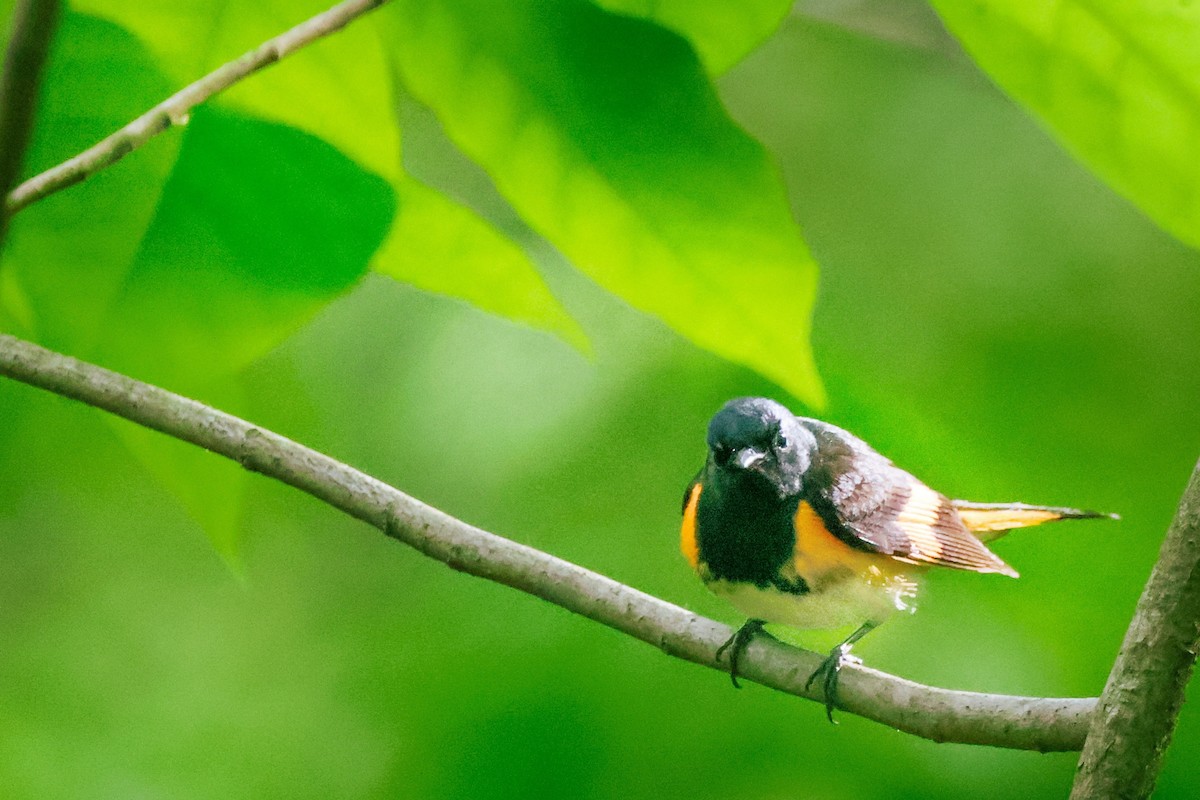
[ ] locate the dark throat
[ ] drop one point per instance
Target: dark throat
(745, 532)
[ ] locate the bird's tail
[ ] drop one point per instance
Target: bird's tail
(992, 520)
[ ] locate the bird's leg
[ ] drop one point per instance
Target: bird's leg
(832, 665)
(741, 637)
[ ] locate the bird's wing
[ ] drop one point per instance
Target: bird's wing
(873, 505)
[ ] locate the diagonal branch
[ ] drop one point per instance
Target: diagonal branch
(1141, 701)
(33, 25)
(943, 715)
(174, 110)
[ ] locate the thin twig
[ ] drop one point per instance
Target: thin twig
(33, 26)
(939, 714)
(174, 110)
(1140, 704)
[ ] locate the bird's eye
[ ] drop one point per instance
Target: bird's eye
(721, 454)
(781, 441)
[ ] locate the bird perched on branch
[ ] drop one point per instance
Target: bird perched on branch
(798, 522)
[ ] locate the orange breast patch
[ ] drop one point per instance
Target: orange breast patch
(687, 534)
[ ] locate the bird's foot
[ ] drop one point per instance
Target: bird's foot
(736, 644)
(827, 673)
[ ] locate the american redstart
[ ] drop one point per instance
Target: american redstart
(797, 522)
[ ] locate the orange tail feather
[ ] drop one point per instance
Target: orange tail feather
(992, 520)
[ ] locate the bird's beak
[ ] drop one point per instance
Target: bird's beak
(747, 458)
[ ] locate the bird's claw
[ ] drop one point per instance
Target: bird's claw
(828, 672)
(738, 641)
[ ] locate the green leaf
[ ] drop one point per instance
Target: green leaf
(443, 247)
(184, 281)
(212, 490)
(605, 134)
(336, 88)
(722, 32)
(259, 227)
(6, 16)
(16, 315)
(68, 255)
(1116, 81)
(340, 89)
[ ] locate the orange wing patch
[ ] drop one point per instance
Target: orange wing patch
(819, 555)
(687, 533)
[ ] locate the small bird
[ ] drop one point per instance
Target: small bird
(800, 523)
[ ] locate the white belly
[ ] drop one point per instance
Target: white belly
(852, 601)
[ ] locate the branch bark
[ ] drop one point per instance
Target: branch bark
(1141, 701)
(33, 26)
(1045, 724)
(174, 110)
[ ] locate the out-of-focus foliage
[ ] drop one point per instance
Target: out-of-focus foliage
(722, 32)
(441, 246)
(70, 254)
(186, 265)
(341, 89)
(1117, 81)
(991, 316)
(258, 227)
(616, 150)
(605, 135)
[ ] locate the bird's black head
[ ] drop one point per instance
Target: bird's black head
(758, 440)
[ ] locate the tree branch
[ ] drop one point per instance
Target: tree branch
(174, 110)
(33, 25)
(1141, 701)
(939, 714)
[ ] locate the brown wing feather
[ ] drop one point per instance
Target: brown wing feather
(872, 505)
(937, 535)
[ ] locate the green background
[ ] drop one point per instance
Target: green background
(989, 315)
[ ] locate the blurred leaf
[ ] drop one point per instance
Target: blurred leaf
(211, 489)
(6, 20)
(340, 89)
(259, 227)
(722, 32)
(487, 269)
(16, 316)
(69, 254)
(1118, 82)
(67, 257)
(606, 136)
(337, 88)
(6, 15)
